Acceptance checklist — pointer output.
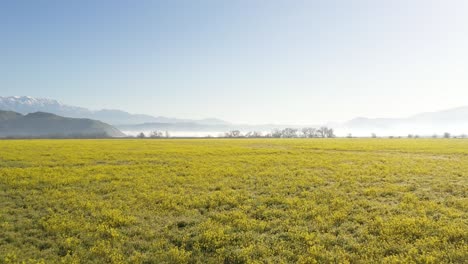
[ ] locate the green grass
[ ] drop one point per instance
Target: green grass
(234, 201)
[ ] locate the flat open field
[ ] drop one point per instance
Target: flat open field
(234, 201)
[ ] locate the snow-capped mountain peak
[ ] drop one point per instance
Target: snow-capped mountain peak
(26, 100)
(29, 104)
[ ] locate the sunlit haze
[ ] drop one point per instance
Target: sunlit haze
(290, 62)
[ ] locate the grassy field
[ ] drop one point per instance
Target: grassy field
(234, 201)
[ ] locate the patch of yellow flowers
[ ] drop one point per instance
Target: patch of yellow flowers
(234, 201)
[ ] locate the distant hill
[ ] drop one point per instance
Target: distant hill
(27, 104)
(40, 124)
(453, 120)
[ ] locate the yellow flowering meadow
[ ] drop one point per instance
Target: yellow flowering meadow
(234, 201)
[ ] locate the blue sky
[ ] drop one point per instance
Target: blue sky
(251, 61)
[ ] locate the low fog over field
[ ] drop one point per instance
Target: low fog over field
(430, 124)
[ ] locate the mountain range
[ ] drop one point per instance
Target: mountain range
(28, 104)
(40, 124)
(452, 120)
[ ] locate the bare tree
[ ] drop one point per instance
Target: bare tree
(446, 135)
(276, 133)
(309, 132)
(141, 135)
(253, 134)
(257, 134)
(289, 133)
(322, 132)
(330, 133)
(156, 134)
(233, 134)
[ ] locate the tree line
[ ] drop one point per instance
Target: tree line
(155, 134)
(306, 132)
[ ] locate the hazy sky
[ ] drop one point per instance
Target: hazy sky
(243, 61)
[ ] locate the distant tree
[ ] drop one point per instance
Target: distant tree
(257, 134)
(253, 134)
(349, 135)
(276, 133)
(463, 136)
(236, 133)
(322, 132)
(434, 136)
(233, 134)
(446, 135)
(416, 136)
(373, 135)
(330, 133)
(309, 132)
(156, 134)
(289, 133)
(410, 136)
(166, 134)
(141, 135)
